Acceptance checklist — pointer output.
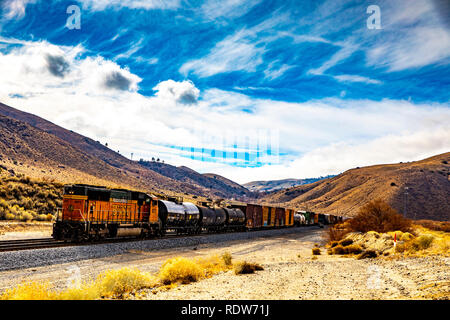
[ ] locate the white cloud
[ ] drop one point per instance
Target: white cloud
(346, 50)
(234, 53)
(320, 137)
(419, 47)
(213, 9)
(272, 72)
(183, 92)
(15, 9)
(355, 78)
(241, 51)
(98, 5)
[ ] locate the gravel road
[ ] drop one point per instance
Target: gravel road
(48, 256)
(290, 270)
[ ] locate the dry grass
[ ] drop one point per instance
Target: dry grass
(427, 242)
(434, 225)
(119, 284)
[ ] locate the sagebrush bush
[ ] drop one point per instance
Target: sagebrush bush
(115, 283)
(422, 242)
(353, 249)
(339, 249)
(316, 251)
(345, 242)
(244, 267)
(368, 254)
(180, 270)
(378, 216)
(227, 259)
(23, 198)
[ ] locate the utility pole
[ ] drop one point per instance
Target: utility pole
(406, 201)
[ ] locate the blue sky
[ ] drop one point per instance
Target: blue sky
(248, 89)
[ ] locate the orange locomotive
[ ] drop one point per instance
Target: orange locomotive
(97, 212)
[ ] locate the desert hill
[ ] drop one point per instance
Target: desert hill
(273, 185)
(189, 176)
(427, 196)
(37, 148)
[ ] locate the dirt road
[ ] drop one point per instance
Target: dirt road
(289, 272)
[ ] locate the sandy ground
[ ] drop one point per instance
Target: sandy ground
(11, 230)
(290, 272)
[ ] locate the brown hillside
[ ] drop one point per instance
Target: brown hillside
(427, 182)
(38, 148)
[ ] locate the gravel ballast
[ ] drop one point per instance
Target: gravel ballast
(49, 256)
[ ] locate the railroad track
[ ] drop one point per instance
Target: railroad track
(24, 244)
(40, 243)
(29, 244)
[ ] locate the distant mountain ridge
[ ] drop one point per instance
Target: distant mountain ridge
(36, 147)
(274, 185)
(418, 189)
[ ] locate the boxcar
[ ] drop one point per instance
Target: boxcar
(289, 217)
(280, 217)
(254, 216)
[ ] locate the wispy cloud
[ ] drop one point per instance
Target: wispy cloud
(234, 53)
(98, 5)
(355, 78)
(214, 9)
(275, 70)
(15, 8)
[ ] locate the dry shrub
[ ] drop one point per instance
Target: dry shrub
(213, 264)
(422, 242)
(406, 236)
(334, 243)
(338, 250)
(346, 242)
(368, 254)
(244, 267)
(353, 249)
(227, 259)
(434, 225)
(316, 251)
(180, 270)
(29, 291)
(118, 284)
(115, 283)
(378, 216)
(336, 233)
(349, 249)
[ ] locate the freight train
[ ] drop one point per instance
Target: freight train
(92, 213)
